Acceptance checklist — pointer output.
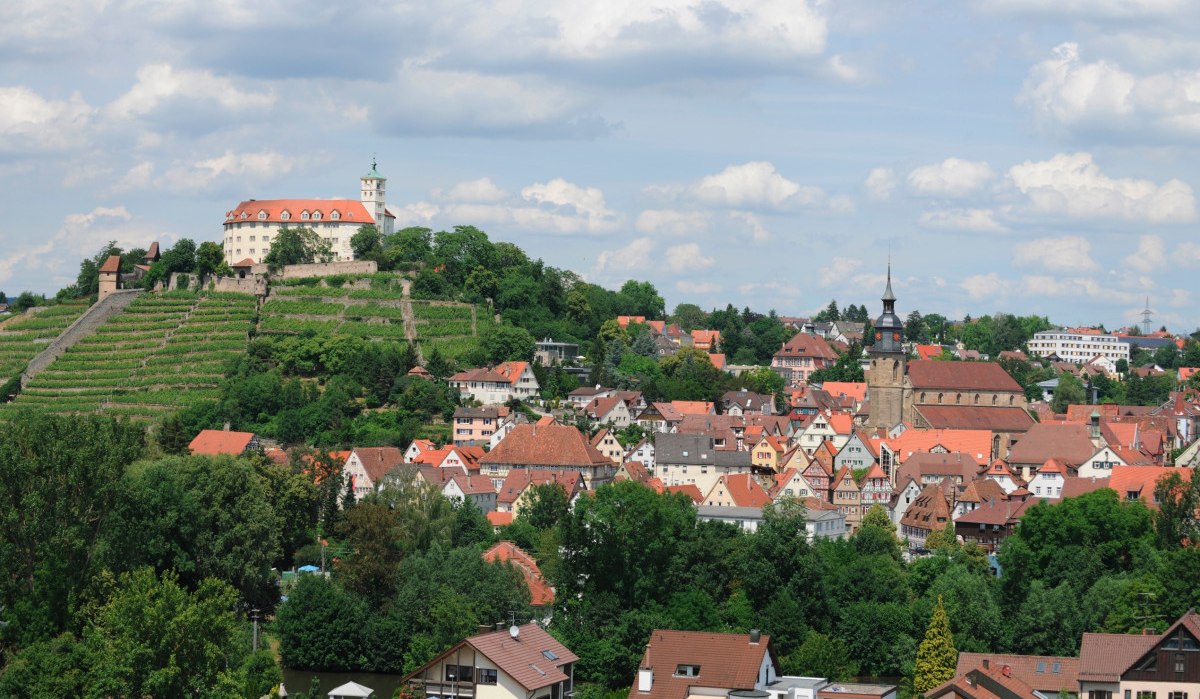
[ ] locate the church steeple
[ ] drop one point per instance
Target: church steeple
(889, 331)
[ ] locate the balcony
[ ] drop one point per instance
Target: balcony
(463, 690)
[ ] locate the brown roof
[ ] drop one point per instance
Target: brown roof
(929, 511)
(976, 417)
(688, 489)
(214, 442)
(518, 480)
(961, 467)
(524, 658)
(1056, 672)
(1104, 656)
(474, 485)
(1074, 486)
(985, 683)
(112, 265)
(743, 490)
(967, 376)
(805, 345)
(377, 461)
(994, 511)
(1069, 443)
(546, 445)
(726, 660)
(540, 592)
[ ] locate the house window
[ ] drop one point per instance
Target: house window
(262, 215)
(1179, 667)
(303, 215)
(484, 675)
(459, 673)
(285, 216)
(1146, 695)
(335, 215)
(694, 671)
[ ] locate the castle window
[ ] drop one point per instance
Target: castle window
(335, 215)
(245, 215)
(958, 399)
(303, 215)
(976, 399)
(1012, 400)
(262, 215)
(316, 216)
(995, 399)
(286, 215)
(940, 396)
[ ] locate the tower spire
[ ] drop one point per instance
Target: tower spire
(887, 293)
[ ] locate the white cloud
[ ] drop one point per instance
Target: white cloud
(480, 190)
(160, 83)
(880, 183)
(566, 207)
(1076, 287)
(1073, 185)
(637, 256)
(839, 269)
(985, 286)
(754, 185)
(750, 225)
(29, 122)
(1065, 92)
(83, 234)
(242, 167)
(693, 287)
(1151, 254)
(671, 222)
(1187, 254)
(1088, 9)
(953, 177)
(977, 220)
(686, 258)
(1066, 254)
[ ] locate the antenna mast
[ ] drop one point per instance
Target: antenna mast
(1147, 315)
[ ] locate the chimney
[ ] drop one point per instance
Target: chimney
(646, 673)
(1006, 671)
(485, 628)
(755, 636)
(985, 663)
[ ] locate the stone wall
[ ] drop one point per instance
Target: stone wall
(255, 284)
(320, 269)
(84, 325)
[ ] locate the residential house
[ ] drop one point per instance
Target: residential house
(737, 490)
(416, 447)
(1049, 480)
(1005, 477)
(727, 431)
(743, 402)
(902, 499)
(790, 484)
(659, 417)
(985, 682)
(611, 410)
(926, 468)
(898, 447)
(847, 498)
(823, 521)
(583, 395)
(746, 518)
(475, 426)
(521, 662)
(541, 593)
(767, 454)
(687, 489)
(675, 663)
(548, 448)
(800, 356)
(930, 511)
(475, 489)
(876, 489)
(835, 428)
(974, 494)
(860, 451)
(706, 340)
(993, 521)
(644, 453)
(694, 458)
(1139, 482)
(216, 442)
(548, 352)
(606, 443)
(1048, 674)
(366, 467)
(1069, 444)
(819, 474)
(513, 493)
(506, 425)
(1142, 666)
(517, 381)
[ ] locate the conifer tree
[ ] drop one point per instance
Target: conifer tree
(936, 656)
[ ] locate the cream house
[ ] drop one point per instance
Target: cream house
(520, 662)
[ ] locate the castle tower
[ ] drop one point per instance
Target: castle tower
(374, 187)
(885, 376)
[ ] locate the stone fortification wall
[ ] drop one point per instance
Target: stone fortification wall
(320, 269)
(84, 325)
(255, 284)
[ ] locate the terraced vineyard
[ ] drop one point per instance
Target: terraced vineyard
(22, 337)
(375, 313)
(162, 354)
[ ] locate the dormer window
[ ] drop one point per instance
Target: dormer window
(303, 215)
(687, 671)
(335, 215)
(245, 215)
(316, 216)
(262, 215)
(285, 216)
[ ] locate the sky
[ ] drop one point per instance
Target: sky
(1023, 156)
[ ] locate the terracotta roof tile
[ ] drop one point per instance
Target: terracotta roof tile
(972, 417)
(540, 592)
(348, 211)
(688, 489)
(726, 660)
(377, 461)
(112, 265)
(518, 480)
(1104, 656)
(967, 376)
(1069, 443)
(546, 445)
(522, 658)
(212, 442)
(1048, 680)
(743, 489)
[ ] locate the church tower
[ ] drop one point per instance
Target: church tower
(374, 187)
(885, 376)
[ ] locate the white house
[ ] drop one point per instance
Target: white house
(1049, 480)
(493, 386)
(366, 467)
(476, 489)
(519, 662)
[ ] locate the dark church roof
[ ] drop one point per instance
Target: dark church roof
(961, 376)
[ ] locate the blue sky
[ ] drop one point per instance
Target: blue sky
(1014, 155)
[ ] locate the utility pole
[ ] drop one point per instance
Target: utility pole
(254, 614)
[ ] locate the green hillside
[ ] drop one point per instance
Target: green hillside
(22, 337)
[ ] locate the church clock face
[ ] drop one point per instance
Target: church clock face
(878, 336)
(896, 337)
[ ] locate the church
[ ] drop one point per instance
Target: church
(251, 225)
(929, 394)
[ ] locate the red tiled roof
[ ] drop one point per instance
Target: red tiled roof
(1048, 680)
(518, 480)
(540, 592)
(975, 443)
(377, 461)
(349, 211)
(499, 519)
(726, 660)
(692, 407)
(996, 512)
(743, 489)
(522, 658)
(545, 445)
(967, 376)
(688, 489)
(855, 389)
(112, 265)
(1104, 656)
(1142, 480)
(212, 442)
(929, 351)
(985, 683)
(248, 262)
(473, 485)
(717, 359)
(1069, 443)
(805, 345)
(971, 417)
